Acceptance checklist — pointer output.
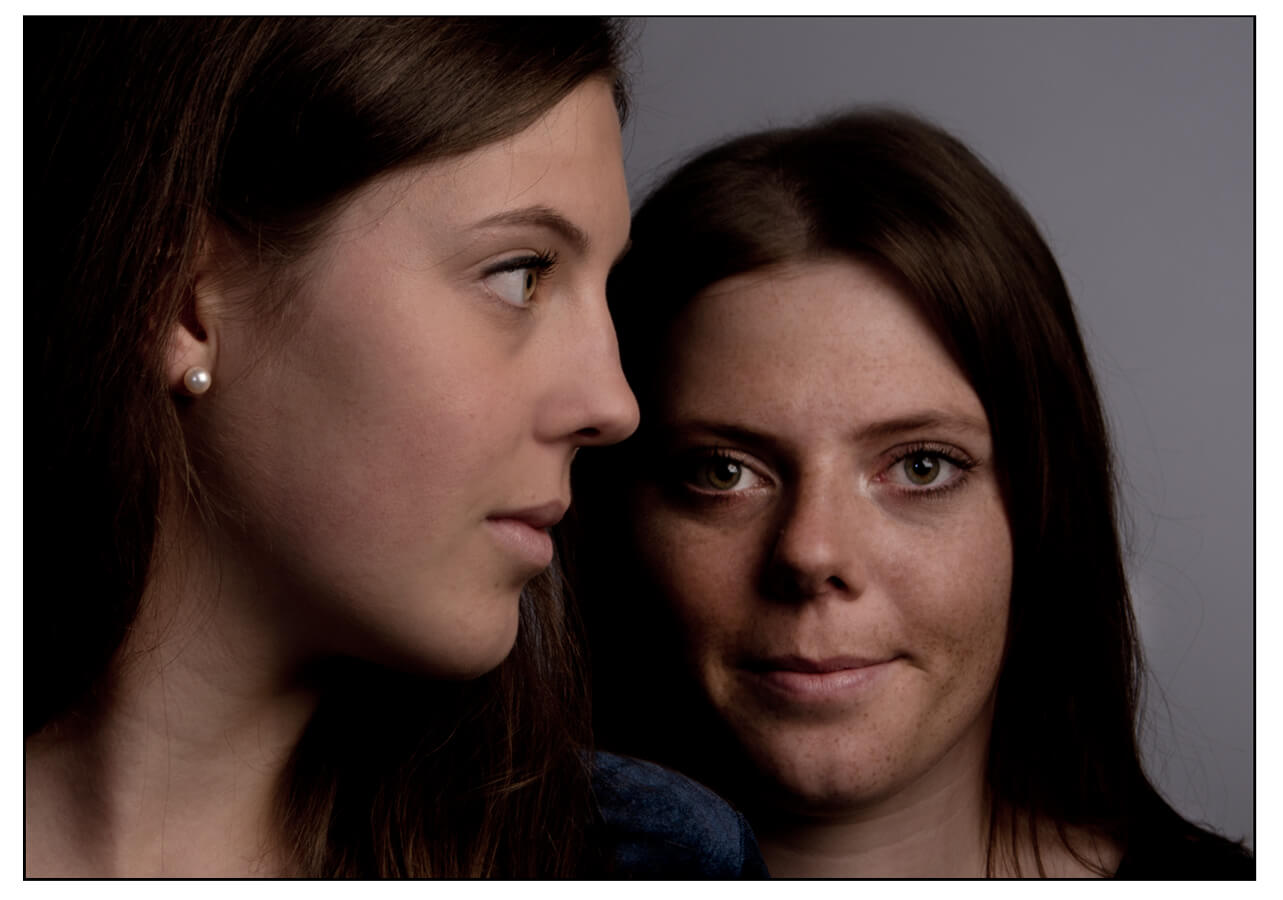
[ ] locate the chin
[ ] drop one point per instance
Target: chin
(821, 796)
(474, 656)
(480, 665)
(807, 781)
(449, 647)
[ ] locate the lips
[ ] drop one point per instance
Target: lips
(801, 680)
(545, 515)
(812, 666)
(523, 533)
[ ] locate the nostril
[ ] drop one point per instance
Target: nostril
(792, 584)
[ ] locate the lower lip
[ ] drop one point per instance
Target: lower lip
(820, 686)
(530, 544)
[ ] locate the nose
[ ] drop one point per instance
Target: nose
(597, 406)
(821, 548)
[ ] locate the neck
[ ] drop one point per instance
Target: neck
(176, 769)
(937, 826)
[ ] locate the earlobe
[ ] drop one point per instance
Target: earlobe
(193, 343)
(197, 380)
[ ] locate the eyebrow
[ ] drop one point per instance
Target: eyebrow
(927, 419)
(540, 217)
(734, 433)
(887, 428)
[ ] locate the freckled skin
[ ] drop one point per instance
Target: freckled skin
(824, 549)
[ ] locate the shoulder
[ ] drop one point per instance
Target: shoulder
(1181, 850)
(654, 823)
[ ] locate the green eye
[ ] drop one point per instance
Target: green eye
(722, 473)
(921, 468)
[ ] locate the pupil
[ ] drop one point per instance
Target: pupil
(725, 473)
(923, 469)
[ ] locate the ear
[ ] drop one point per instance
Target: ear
(193, 338)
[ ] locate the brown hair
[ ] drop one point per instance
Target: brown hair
(887, 188)
(140, 134)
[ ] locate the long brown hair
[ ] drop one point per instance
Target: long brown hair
(140, 134)
(887, 188)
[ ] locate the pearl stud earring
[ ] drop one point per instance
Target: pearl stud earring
(197, 380)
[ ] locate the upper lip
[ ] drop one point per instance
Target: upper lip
(792, 663)
(545, 515)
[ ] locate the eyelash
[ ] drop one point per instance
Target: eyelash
(542, 264)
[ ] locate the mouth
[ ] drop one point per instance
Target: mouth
(545, 515)
(800, 679)
(523, 533)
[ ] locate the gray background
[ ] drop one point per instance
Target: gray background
(1130, 140)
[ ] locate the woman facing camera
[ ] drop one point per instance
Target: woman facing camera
(859, 569)
(316, 316)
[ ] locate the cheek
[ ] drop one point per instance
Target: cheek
(703, 573)
(358, 455)
(363, 456)
(956, 597)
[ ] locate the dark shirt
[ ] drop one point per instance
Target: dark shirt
(655, 823)
(1171, 848)
(658, 824)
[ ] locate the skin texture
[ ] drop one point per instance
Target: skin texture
(786, 529)
(358, 456)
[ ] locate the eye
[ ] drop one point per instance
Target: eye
(516, 287)
(721, 473)
(923, 468)
(927, 469)
(514, 281)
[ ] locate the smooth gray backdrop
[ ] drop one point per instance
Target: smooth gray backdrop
(1130, 140)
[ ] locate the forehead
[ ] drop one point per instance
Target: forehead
(832, 339)
(577, 140)
(569, 161)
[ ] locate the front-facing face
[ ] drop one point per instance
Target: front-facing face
(825, 521)
(393, 457)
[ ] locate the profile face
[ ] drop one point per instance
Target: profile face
(399, 451)
(825, 520)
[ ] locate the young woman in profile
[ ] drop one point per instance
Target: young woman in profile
(859, 570)
(316, 321)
